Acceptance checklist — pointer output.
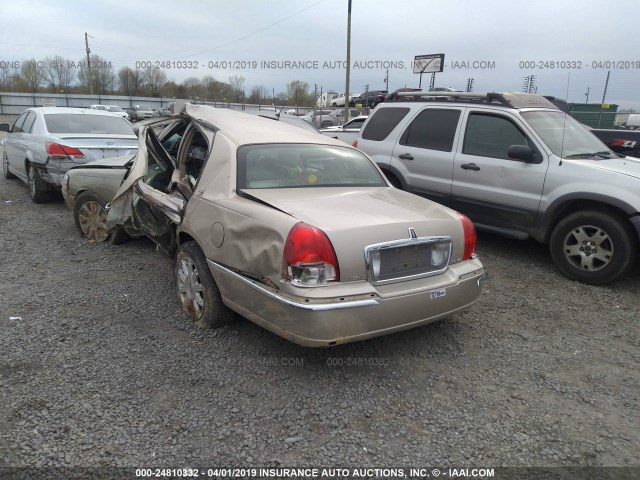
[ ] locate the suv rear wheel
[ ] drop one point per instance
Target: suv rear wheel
(593, 247)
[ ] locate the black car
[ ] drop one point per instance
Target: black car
(625, 142)
(370, 99)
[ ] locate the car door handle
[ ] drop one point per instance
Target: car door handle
(406, 156)
(470, 166)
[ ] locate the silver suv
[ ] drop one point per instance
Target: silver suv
(519, 167)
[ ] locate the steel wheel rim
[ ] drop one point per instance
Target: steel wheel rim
(32, 181)
(93, 221)
(190, 288)
(588, 248)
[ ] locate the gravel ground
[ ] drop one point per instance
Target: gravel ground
(98, 366)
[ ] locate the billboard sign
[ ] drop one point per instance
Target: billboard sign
(428, 63)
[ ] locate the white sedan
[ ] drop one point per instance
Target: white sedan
(347, 132)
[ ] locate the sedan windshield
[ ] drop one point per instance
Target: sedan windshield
(304, 165)
(565, 136)
(84, 123)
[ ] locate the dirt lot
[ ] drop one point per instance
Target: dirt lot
(100, 367)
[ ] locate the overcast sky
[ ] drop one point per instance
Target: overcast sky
(597, 36)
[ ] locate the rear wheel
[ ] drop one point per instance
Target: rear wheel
(593, 247)
(5, 168)
(38, 189)
(197, 290)
(90, 216)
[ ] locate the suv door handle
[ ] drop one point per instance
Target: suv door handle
(406, 156)
(470, 166)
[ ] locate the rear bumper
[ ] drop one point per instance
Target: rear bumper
(343, 316)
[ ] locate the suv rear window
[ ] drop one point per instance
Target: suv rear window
(433, 129)
(382, 122)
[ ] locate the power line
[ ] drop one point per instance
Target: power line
(250, 34)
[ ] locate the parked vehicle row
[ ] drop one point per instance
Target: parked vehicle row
(517, 166)
(247, 207)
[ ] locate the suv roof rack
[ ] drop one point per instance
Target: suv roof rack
(508, 99)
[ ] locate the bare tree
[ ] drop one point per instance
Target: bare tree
(102, 77)
(59, 72)
(31, 76)
(130, 80)
(194, 88)
(6, 77)
(258, 94)
(237, 86)
(154, 79)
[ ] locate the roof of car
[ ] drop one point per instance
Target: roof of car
(246, 129)
(75, 111)
(508, 99)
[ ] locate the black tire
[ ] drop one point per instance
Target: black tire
(593, 247)
(90, 217)
(39, 191)
(197, 290)
(5, 168)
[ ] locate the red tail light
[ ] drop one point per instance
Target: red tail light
(355, 144)
(309, 259)
(57, 150)
(470, 238)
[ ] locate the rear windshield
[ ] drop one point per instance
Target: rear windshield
(304, 165)
(86, 123)
(383, 122)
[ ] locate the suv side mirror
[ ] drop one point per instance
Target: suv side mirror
(521, 152)
(4, 127)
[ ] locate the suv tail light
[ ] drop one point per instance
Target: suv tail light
(309, 259)
(57, 150)
(470, 238)
(355, 143)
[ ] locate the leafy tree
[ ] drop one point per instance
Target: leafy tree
(298, 93)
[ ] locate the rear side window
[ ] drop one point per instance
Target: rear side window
(491, 136)
(383, 122)
(17, 127)
(28, 123)
(433, 129)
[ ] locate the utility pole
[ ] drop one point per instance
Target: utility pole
(470, 84)
(386, 80)
(86, 42)
(345, 116)
(529, 85)
(587, 95)
(606, 84)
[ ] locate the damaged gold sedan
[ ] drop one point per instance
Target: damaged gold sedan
(295, 231)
